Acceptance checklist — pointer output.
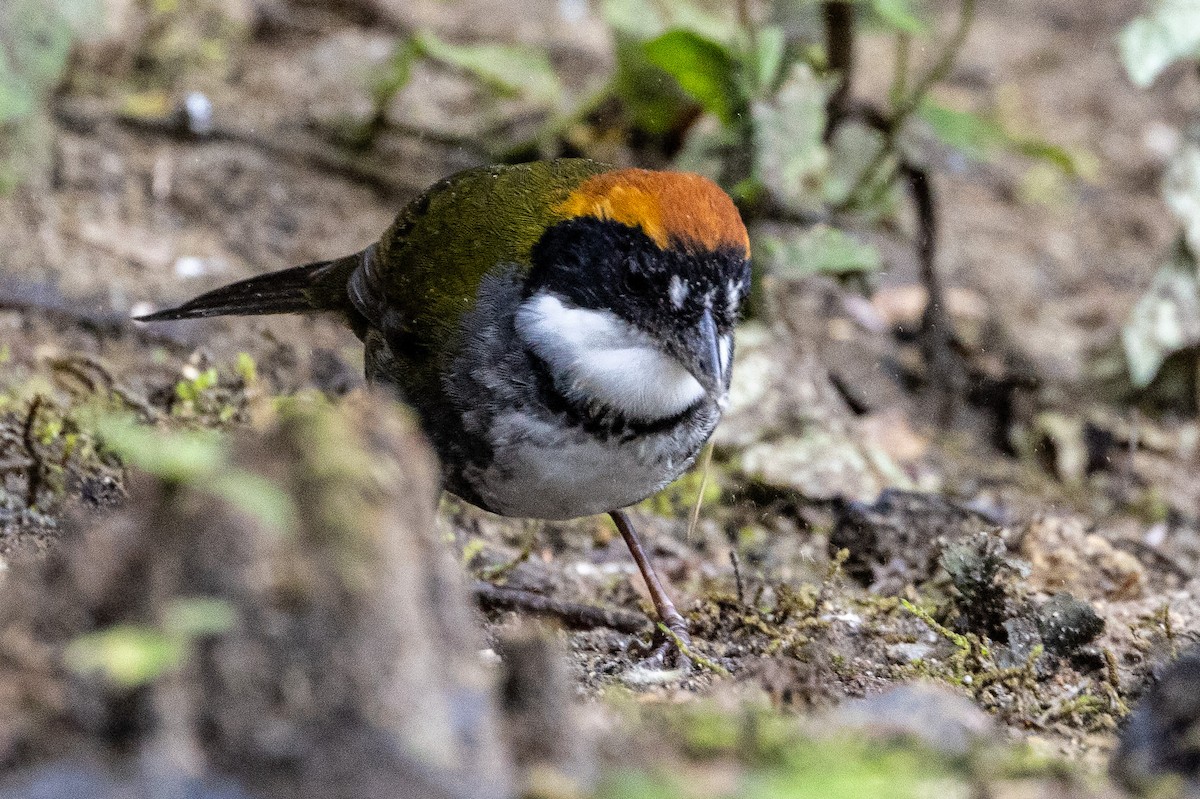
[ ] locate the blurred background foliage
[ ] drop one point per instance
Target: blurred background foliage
(35, 46)
(747, 101)
(1161, 340)
(761, 102)
(761, 98)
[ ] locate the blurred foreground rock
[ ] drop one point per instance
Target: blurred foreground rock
(942, 719)
(332, 649)
(1159, 753)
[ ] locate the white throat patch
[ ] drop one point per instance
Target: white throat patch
(597, 357)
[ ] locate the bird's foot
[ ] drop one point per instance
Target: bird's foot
(670, 647)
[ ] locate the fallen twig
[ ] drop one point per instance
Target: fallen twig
(575, 615)
(47, 302)
(946, 378)
(946, 381)
(35, 468)
(75, 365)
(737, 577)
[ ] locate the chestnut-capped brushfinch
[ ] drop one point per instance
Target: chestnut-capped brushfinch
(564, 330)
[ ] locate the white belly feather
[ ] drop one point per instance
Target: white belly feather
(551, 472)
(550, 476)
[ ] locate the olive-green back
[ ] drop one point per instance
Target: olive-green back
(434, 256)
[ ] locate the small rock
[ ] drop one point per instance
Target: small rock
(1067, 623)
(196, 114)
(1023, 636)
(1065, 557)
(946, 721)
(909, 653)
(898, 539)
(646, 677)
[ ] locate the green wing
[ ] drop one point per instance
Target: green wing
(430, 262)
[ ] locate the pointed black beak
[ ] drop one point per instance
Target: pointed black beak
(705, 361)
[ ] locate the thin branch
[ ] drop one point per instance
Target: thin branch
(839, 48)
(78, 366)
(574, 615)
(705, 466)
(946, 380)
(900, 69)
(746, 21)
(737, 577)
(35, 469)
(941, 69)
(905, 107)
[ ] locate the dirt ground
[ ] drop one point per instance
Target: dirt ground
(1038, 558)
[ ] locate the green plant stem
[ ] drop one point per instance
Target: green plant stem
(941, 69)
(903, 109)
(691, 654)
(900, 68)
(746, 21)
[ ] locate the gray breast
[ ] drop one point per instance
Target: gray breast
(519, 450)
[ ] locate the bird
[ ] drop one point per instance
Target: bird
(562, 328)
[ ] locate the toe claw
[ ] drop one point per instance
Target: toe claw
(667, 652)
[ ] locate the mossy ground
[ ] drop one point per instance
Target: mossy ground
(799, 627)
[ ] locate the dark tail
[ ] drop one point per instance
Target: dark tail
(313, 287)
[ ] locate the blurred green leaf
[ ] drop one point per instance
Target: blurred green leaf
(1165, 320)
(652, 98)
(820, 249)
(190, 390)
(199, 458)
(508, 68)
(171, 455)
(963, 130)
(853, 769)
(17, 99)
(127, 655)
(645, 19)
(770, 49)
(1066, 161)
(704, 69)
(1154, 41)
(35, 41)
(900, 15)
(258, 497)
(394, 75)
(629, 784)
(790, 155)
(246, 368)
(979, 137)
(198, 616)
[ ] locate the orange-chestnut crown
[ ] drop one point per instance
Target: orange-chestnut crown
(669, 207)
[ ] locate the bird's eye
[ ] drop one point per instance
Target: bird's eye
(636, 282)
